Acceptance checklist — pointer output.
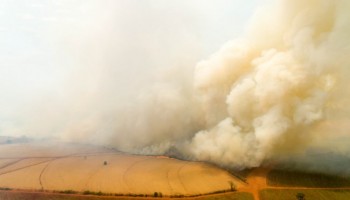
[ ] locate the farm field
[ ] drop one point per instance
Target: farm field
(290, 178)
(258, 185)
(59, 167)
(310, 194)
(5, 195)
(64, 171)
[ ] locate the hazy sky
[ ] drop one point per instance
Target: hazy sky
(41, 40)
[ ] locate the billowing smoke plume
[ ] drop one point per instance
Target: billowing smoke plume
(258, 97)
(269, 89)
(270, 93)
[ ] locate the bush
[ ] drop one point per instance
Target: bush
(68, 192)
(300, 196)
(87, 192)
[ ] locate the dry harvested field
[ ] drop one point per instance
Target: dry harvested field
(64, 168)
(26, 195)
(59, 167)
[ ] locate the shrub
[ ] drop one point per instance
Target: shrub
(68, 192)
(300, 196)
(87, 192)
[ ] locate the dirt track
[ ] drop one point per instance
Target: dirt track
(256, 181)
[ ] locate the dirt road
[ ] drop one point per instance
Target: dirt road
(256, 181)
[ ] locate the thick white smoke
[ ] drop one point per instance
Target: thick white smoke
(260, 97)
(276, 83)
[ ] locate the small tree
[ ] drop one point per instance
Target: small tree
(155, 194)
(160, 194)
(232, 185)
(300, 196)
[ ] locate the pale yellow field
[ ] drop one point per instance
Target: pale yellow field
(81, 167)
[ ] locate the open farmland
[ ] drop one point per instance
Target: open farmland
(304, 179)
(19, 195)
(33, 166)
(61, 171)
(312, 194)
(259, 186)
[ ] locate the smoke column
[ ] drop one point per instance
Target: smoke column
(272, 87)
(266, 95)
(259, 97)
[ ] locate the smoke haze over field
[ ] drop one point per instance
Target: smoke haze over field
(278, 89)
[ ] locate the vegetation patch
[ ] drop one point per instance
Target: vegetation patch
(88, 192)
(229, 196)
(309, 194)
(305, 179)
(68, 192)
